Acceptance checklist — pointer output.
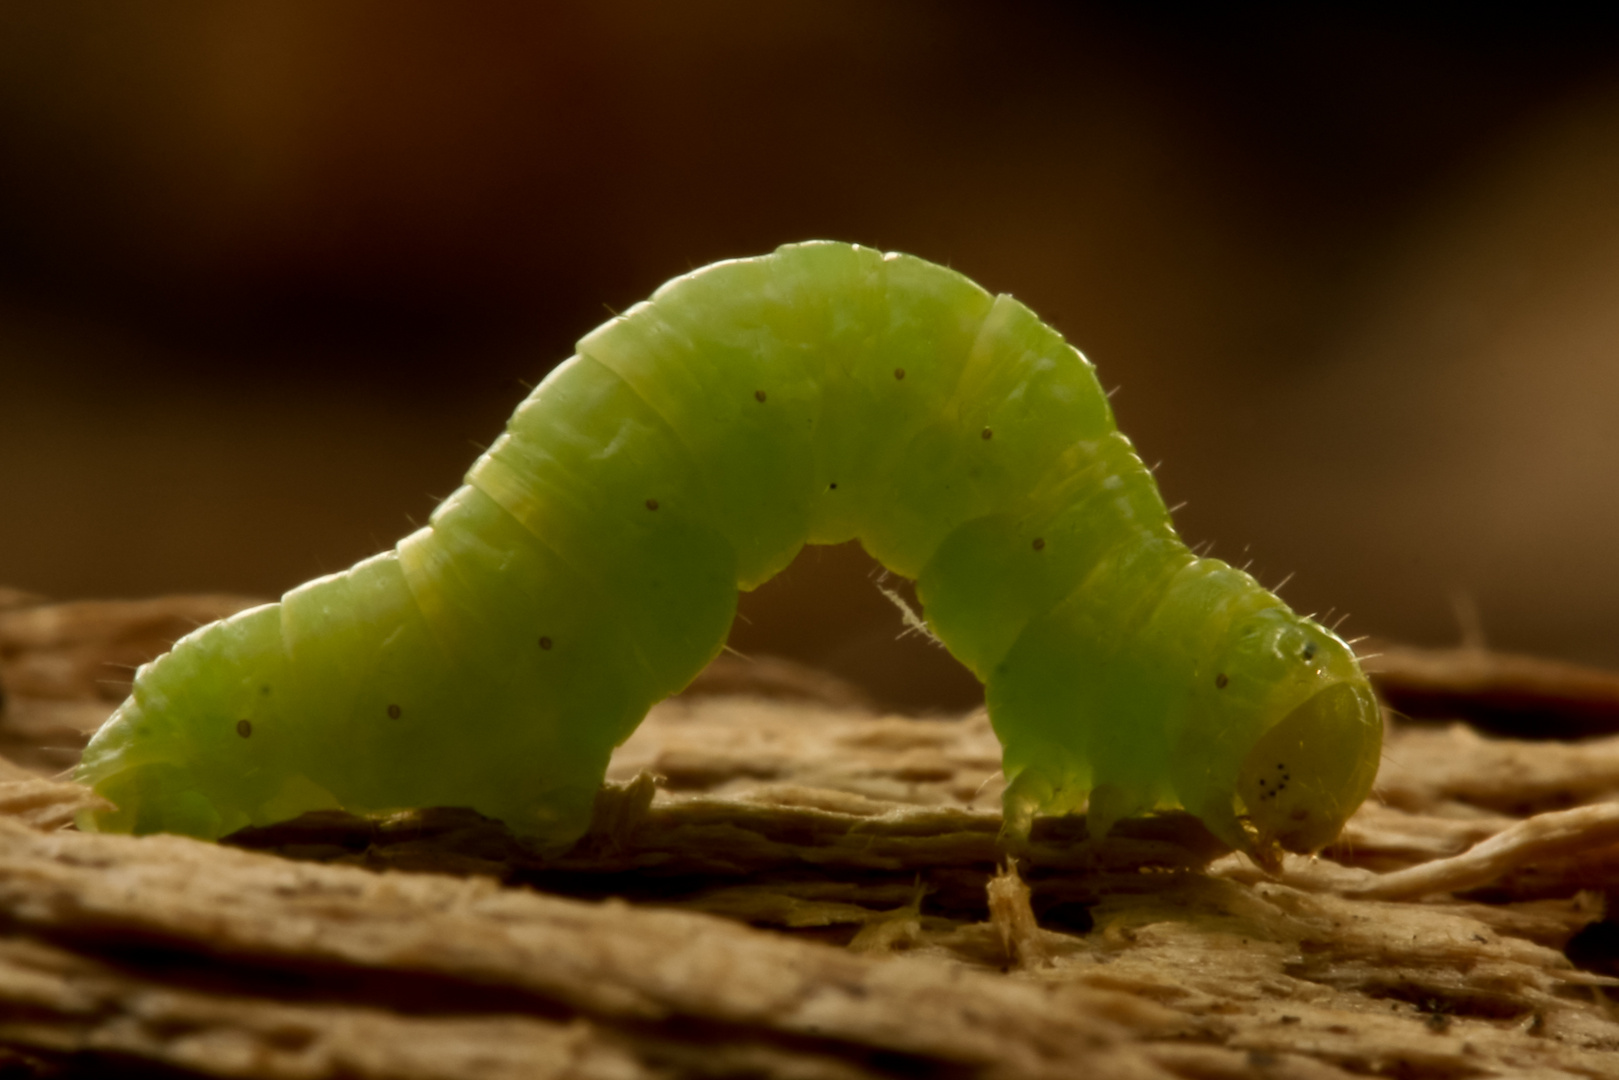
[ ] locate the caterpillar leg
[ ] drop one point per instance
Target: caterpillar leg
(1056, 786)
(1111, 804)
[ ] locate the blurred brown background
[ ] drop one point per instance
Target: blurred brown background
(270, 272)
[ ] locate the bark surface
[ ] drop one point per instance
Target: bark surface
(809, 889)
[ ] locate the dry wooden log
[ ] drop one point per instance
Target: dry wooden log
(1224, 968)
(40, 803)
(814, 890)
(446, 946)
(1505, 693)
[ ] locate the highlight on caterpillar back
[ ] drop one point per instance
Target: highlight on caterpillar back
(590, 565)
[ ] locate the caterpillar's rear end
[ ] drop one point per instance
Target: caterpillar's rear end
(590, 566)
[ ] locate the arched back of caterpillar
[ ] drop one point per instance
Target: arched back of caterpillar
(590, 565)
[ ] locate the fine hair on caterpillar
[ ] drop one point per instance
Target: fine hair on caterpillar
(590, 564)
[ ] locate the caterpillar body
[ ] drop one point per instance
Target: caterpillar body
(589, 567)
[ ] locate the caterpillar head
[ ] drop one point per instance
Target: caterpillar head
(1308, 774)
(1282, 736)
(1314, 765)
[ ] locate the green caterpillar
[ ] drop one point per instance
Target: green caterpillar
(590, 565)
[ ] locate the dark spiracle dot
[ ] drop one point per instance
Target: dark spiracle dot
(652, 504)
(833, 486)
(545, 643)
(395, 712)
(899, 373)
(264, 691)
(759, 395)
(244, 728)
(1309, 650)
(988, 434)
(1221, 682)
(1039, 543)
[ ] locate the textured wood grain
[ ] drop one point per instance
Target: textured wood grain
(781, 886)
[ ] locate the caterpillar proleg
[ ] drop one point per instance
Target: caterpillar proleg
(589, 567)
